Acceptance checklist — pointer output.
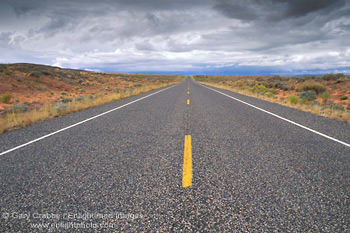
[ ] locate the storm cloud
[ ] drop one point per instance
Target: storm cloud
(186, 36)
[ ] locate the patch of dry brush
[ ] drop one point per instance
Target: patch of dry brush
(35, 93)
(327, 95)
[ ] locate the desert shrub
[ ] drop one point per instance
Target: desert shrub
(83, 98)
(250, 84)
(332, 77)
(285, 87)
(307, 95)
(330, 102)
(339, 81)
(238, 83)
(67, 100)
(300, 79)
(317, 88)
(35, 73)
(5, 98)
(8, 72)
(80, 98)
(344, 98)
(275, 78)
(334, 87)
(259, 83)
(269, 94)
(312, 77)
(273, 91)
(137, 85)
(303, 101)
(338, 107)
(62, 74)
(292, 99)
(277, 85)
(315, 102)
(63, 93)
(325, 96)
(270, 85)
(243, 88)
(60, 106)
(45, 72)
(282, 86)
(258, 88)
(18, 108)
(68, 81)
(2, 67)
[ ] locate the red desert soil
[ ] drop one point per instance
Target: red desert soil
(35, 85)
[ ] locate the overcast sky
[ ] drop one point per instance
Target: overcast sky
(187, 36)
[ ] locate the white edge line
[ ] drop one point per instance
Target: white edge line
(282, 118)
(81, 122)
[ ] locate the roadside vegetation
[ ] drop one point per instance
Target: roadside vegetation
(326, 95)
(32, 93)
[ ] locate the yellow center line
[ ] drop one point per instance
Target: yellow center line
(187, 166)
(188, 101)
(188, 92)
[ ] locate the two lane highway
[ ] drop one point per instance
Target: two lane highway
(123, 171)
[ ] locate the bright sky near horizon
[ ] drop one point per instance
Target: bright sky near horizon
(179, 36)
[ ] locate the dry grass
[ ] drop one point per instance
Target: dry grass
(14, 120)
(316, 109)
(33, 93)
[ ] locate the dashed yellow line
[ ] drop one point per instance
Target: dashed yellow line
(187, 166)
(188, 101)
(188, 92)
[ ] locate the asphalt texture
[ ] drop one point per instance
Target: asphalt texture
(123, 171)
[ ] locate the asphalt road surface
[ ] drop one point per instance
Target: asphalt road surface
(123, 170)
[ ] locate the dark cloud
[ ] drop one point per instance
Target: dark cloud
(237, 9)
(275, 10)
(140, 34)
(55, 25)
(151, 5)
(298, 8)
(145, 46)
